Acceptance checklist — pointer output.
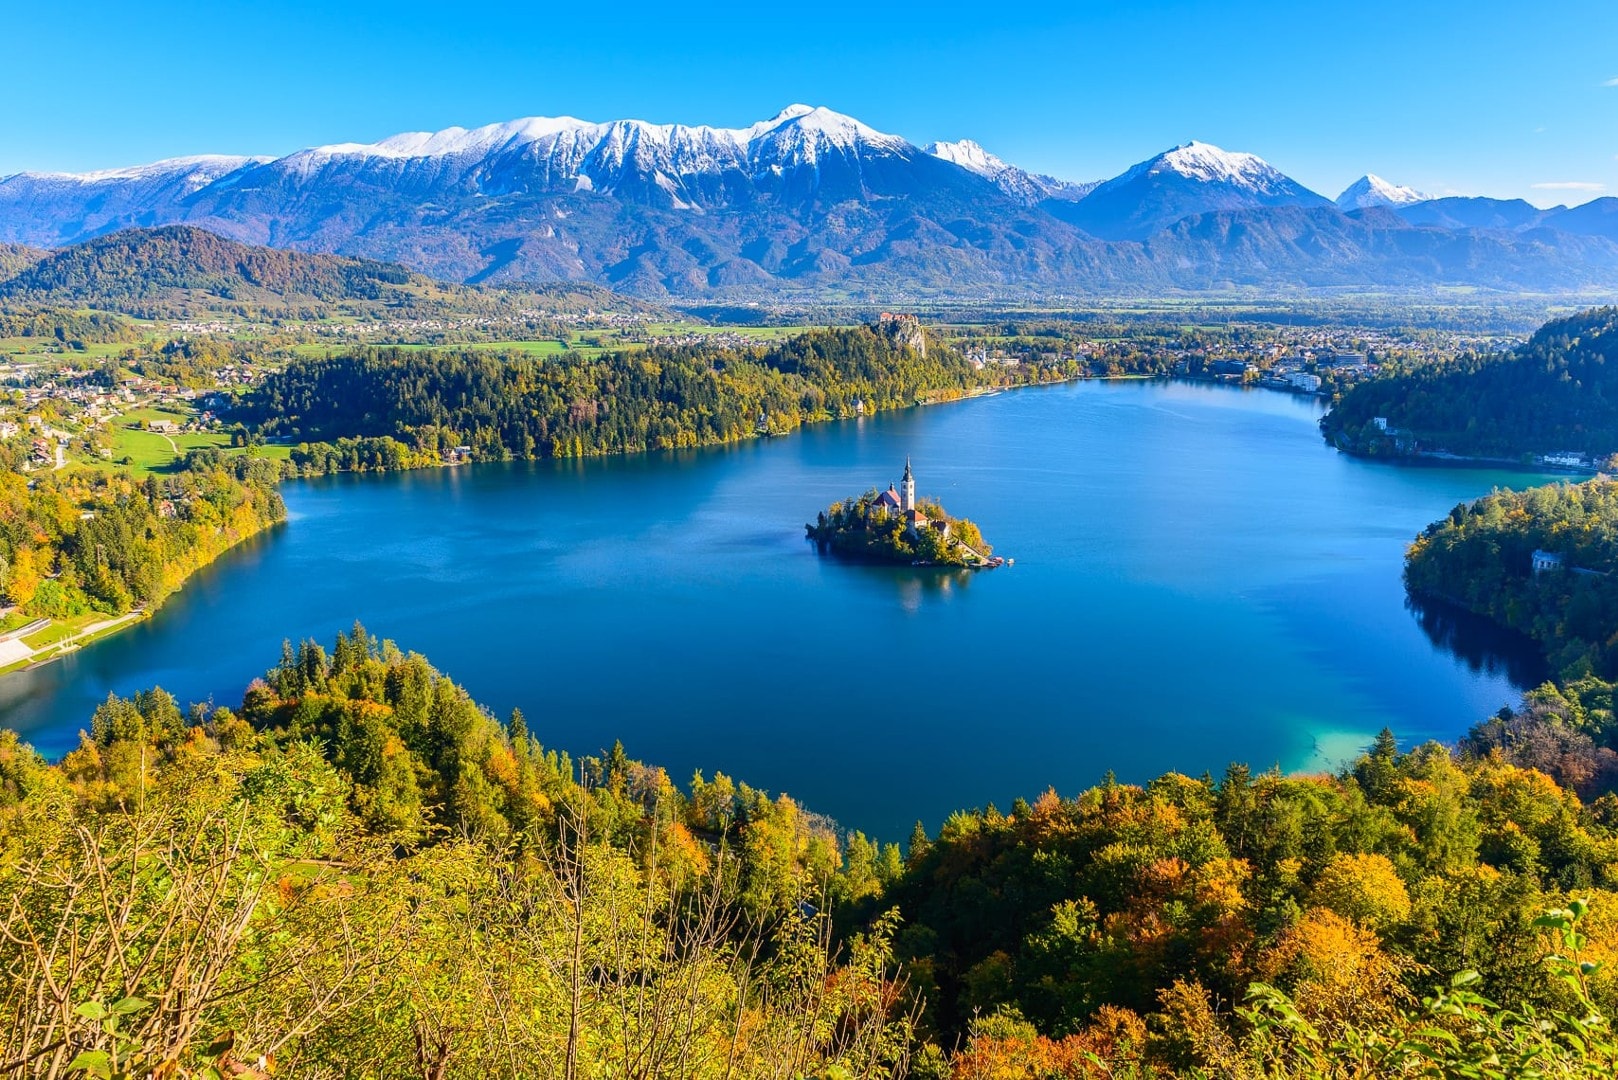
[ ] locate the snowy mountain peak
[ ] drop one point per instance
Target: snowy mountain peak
(968, 155)
(450, 142)
(492, 138)
(1371, 190)
(1190, 180)
(202, 168)
(1026, 187)
(1204, 161)
(791, 112)
(833, 127)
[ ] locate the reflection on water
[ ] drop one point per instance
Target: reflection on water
(912, 585)
(1483, 645)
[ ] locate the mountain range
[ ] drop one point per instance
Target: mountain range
(815, 202)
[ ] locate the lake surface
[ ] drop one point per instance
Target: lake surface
(1198, 580)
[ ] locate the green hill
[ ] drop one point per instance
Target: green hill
(184, 272)
(1556, 392)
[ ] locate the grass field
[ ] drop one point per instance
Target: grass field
(143, 452)
(28, 350)
(146, 451)
(62, 628)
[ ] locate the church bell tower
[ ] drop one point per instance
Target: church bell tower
(907, 489)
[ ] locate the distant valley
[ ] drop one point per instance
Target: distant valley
(815, 204)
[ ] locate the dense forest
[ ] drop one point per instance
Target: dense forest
(359, 872)
(1480, 558)
(654, 399)
(72, 328)
(82, 540)
(1556, 392)
(15, 258)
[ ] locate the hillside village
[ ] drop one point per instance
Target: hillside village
(68, 413)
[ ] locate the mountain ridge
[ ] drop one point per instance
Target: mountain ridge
(813, 201)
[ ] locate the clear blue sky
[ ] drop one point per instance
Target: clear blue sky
(1487, 97)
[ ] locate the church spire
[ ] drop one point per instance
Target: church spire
(907, 488)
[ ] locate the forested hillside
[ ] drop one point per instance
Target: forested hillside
(67, 326)
(14, 258)
(1134, 921)
(81, 540)
(656, 399)
(1480, 558)
(1557, 392)
(180, 271)
(360, 872)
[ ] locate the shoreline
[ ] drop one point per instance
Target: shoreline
(105, 629)
(108, 627)
(94, 632)
(1443, 458)
(926, 600)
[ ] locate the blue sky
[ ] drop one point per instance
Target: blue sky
(1488, 97)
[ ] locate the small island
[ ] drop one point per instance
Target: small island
(892, 526)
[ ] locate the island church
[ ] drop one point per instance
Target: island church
(903, 503)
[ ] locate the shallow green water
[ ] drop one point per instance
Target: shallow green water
(1198, 580)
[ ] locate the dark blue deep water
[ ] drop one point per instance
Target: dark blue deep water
(1198, 580)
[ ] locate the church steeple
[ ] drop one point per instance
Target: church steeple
(907, 489)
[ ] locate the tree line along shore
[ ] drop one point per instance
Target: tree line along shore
(357, 870)
(82, 545)
(360, 864)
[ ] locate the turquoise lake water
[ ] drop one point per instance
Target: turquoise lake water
(1198, 580)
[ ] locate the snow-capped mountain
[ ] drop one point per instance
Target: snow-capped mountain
(1028, 188)
(1195, 178)
(195, 172)
(669, 165)
(1371, 190)
(801, 149)
(1209, 164)
(809, 199)
(684, 209)
(968, 155)
(58, 208)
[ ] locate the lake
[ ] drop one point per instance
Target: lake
(1198, 580)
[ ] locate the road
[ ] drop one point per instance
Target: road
(14, 650)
